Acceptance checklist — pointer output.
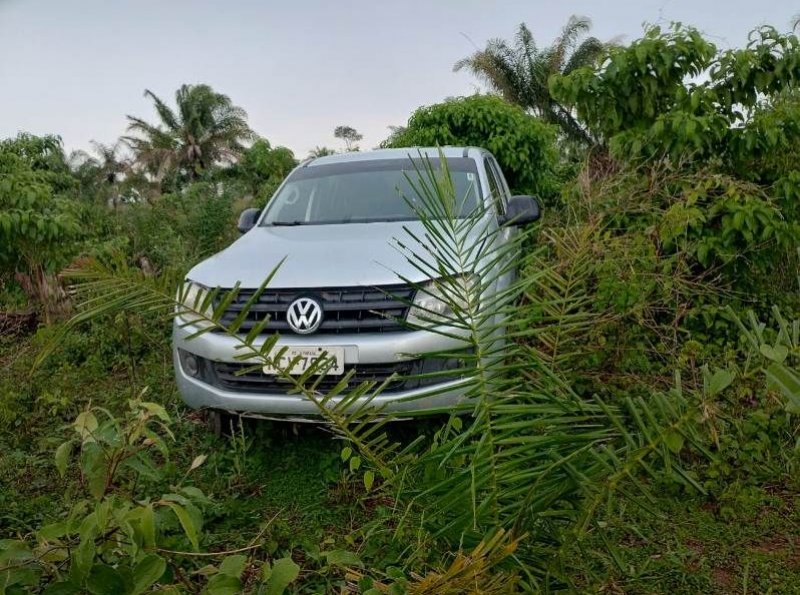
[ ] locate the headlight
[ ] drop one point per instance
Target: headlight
(441, 300)
(194, 302)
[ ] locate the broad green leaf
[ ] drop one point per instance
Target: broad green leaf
(207, 570)
(233, 565)
(342, 558)
(12, 549)
(146, 572)
(62, 457)
(85, 424)
(369, 479)
(144, 466)
(674, 441)
(18, 577)
(105, 580)
(346, 452)
(62, 588)
(94, 465)
(195, 494)
(719, 381)
(52, 531)
(82, 559)
(187, 522)
(777, 353)
(284, 571)
(148, 524)
(224, 584)
(157, 410)
(355, 463)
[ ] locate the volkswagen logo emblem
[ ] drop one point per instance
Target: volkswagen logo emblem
(304, 315)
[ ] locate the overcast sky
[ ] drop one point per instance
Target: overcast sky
(77, 67)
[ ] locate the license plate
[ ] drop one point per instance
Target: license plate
(306, 356)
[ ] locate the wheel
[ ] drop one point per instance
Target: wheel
(221, 423)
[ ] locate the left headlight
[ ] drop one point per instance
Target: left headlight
(194, 303)
(440, 300)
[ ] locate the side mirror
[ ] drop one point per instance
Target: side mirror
(521, 210)
(247, 220)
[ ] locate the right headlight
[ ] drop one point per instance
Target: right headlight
(193, 302)
(441, 300)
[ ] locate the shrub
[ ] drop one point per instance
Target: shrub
(119, 539)
(177, 230)
(523, 145)
(38, 230)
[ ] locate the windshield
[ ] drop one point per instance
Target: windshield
(363, 192)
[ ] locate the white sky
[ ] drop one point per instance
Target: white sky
(76, 68)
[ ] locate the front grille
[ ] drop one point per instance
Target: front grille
(241, 377)
(345, 309)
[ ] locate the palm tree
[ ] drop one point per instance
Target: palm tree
(102, 170)
(110, 164)
(204, 129)
(320, 152)
(519, 71)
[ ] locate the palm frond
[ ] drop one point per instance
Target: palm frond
(164, 112)
(588, 53)
(520, 71)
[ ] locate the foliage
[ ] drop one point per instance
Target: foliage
(44, 155)
(640, 435)
(100, 174)
(475, 477)
(674, 94)
(262, 168)
(34, 223)
(349, 135)
(524, 146)
(119, 540)
(723, 119)
(177, 230)
(320, 152)
(520, 72)
(204, 129)
(38, 228)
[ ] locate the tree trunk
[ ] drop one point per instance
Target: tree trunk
(46, 291)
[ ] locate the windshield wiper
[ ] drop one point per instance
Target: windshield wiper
(286, 223)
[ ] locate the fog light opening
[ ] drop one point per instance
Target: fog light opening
(190, 364)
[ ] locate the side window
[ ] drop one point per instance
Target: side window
(495, 190)
(501, 181)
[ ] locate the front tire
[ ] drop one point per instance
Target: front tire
(221, 423)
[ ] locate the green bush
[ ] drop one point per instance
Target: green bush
(178, 230)
(524, 145)
(116, 538)
(36, 226)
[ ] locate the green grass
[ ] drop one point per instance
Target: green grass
(291, 475)
(284, 485)
(750, 544)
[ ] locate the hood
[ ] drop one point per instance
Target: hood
(315, 256)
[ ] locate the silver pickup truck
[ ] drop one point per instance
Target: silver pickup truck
(342, 287)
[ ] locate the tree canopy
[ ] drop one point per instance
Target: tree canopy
(524, 145)
(519, 71)
(349, 135)
(205, 128)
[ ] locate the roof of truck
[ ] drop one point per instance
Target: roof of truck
(431, 152)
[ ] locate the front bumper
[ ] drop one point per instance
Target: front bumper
(203, 391)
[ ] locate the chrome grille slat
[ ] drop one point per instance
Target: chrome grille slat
(346, 309)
